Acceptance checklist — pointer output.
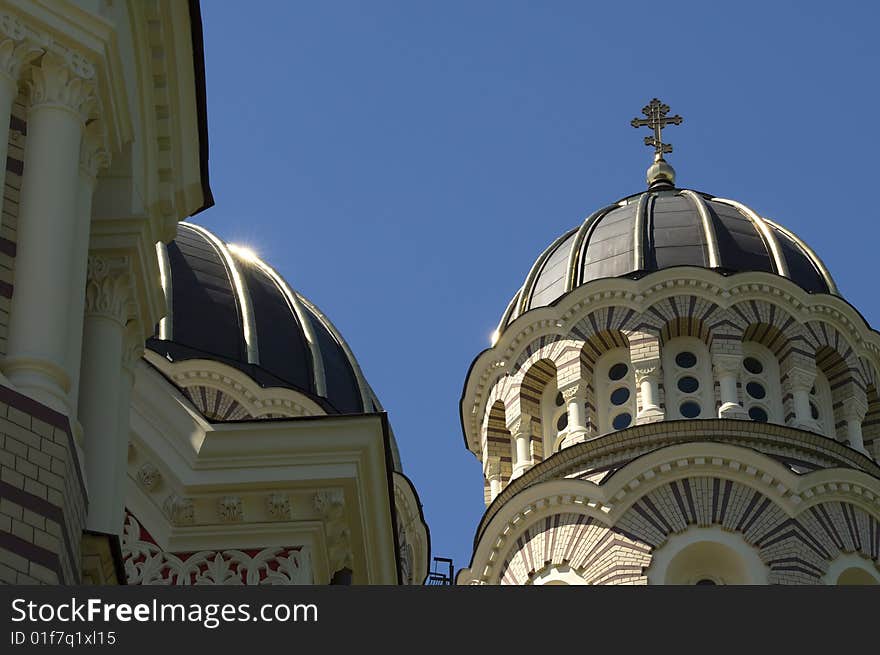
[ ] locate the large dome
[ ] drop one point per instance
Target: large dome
(227, 305)
(663, 228)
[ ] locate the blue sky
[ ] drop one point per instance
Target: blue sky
(402, 164)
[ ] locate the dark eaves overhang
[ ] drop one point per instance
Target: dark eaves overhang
(198, 48)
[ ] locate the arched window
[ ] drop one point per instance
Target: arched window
(762, 393)
(821, 406)
(614, 382)
(688, 379)
(706, 556)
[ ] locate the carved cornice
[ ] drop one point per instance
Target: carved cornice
(66, 82)
(108, 288)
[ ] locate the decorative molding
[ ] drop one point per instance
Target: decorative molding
(229, 509)
(193, 375)
(330, 504)
(149, 477)
(147, 564)
(278, 506)
(180, 511)
(16, 49)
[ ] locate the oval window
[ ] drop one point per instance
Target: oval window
(621, 421)
(688, 384)
(559, 399)
(753, 365)
(686, 359)
(562, 423)
(758, 414)
(814, 411)
(689, 409)
(756, 390)
(618, 371)
(619, 396)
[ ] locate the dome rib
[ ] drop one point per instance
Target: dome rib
(242, 295)
(166, 323)
(363, 386)
(708, 226)
(318, 374)
(639, 233)
(575, 261)
(770, 241)
(810, 254)
(536, 269)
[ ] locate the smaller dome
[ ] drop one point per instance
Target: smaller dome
(227, 305)
(664, 228)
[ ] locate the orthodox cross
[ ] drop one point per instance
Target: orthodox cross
(656, 120)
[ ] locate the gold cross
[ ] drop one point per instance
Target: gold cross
(656, 120)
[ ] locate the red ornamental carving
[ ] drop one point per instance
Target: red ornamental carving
(146, 563)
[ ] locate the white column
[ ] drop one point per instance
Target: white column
(15, 52)
(727, 369)
(39, 321)
(93, 157)
(132, 350)
(854, 413)
(101, 389)
(521, 432)
(493, 475)
(647, 375)
(799, 382)
(575, 397)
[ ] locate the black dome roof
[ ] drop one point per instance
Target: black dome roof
(227, 305)
(662, 228)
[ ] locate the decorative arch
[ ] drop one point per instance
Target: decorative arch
(538, 400)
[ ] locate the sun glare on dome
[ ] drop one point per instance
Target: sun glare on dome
(248, 254)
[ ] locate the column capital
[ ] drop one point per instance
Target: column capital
(726, 364)
(66, 82)
(854, 409)
(520, 425)
(492, 467)
(94, 154)
(647, 369)
(801, 379)
(108, 287)
(572, 391)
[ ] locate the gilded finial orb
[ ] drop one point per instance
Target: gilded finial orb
(660, 173)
